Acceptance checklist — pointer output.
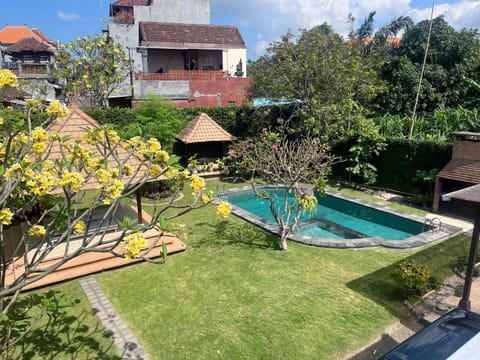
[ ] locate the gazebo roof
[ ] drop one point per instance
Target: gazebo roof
(30, 45)
(203, 129)
(74, 125)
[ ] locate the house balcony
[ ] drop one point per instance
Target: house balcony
(194, 87)
(30, 70)
(183, 75)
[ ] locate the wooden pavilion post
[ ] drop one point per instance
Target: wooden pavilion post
(139, 206)
(465, 301)
(468, 198)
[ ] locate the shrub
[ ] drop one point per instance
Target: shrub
(411, 277)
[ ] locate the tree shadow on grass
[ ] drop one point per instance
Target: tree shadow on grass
(227, 233)
(380, 287)
(57, 331)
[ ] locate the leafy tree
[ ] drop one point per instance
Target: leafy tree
(291, 164)
(50, 197)
(330, 79)
(92, 67)
(157, 118)
(452, 56)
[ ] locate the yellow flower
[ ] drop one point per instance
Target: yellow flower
(155, 170)
(162, 155)
(206, 198)
(197, 183)
(79, 227)
(1, 121)
(13, 172)
(127, 170)
(37, 231)
(72, 179)
(6, 216)
(7, 78)
(132, 245)
(39, 134)
(39, 148)
(224, 209)
(56, 110)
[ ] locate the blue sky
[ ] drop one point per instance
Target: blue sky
(259, 21)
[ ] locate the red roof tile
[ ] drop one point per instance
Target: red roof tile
(12, 34)
(132, 3)
(173, 35)
(29, 44)
(203, 129)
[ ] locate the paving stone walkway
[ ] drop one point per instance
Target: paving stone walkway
(123, 338)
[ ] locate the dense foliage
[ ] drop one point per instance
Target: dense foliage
(452, 56)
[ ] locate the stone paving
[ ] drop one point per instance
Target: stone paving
(123, 338)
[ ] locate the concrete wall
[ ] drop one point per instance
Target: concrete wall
(127, 35)
(174, 11)
(166, 89)
(231, 57)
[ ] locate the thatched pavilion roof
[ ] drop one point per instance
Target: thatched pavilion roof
(74, 125)
(203, 129)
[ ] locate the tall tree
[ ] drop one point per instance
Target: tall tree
(329, 80)
(92, 68)
(452, 56)
(292, 165)
(368, 40)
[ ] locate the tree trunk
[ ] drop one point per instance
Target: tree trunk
(283, 242)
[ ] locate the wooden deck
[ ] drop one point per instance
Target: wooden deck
(92, 262)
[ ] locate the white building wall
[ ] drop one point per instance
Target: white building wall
(231, 58)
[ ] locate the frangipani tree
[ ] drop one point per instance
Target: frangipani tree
(92, 67)
(296, 165)
(49, 196)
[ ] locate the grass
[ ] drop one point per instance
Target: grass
(77, 334)
(233, 294)
(373, 199)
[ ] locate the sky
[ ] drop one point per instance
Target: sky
(260, 21)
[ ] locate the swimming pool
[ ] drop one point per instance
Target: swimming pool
(339, 221)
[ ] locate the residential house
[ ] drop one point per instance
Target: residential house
(30, 55)
(176, 53)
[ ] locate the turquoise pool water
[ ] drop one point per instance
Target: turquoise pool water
(334, 218)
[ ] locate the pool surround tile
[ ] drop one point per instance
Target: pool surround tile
(421, 239)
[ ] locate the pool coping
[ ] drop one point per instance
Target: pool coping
(421, 239)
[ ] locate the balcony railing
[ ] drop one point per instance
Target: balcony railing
(179, 75)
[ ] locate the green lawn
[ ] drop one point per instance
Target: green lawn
(78, 334)
(232, 294)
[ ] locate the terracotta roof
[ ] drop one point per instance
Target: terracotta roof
(464, 170)
(131, 3)
(203, 129)
(11, 34)
(174, 35)
(74, 126)
(29, 44)
(44, 37)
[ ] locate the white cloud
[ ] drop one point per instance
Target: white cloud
(464, 14)
(273, 18)
(64, 16)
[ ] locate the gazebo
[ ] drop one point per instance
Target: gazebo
(74, 125)
(203, 138)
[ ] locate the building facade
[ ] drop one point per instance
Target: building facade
(31, 56)
(177, 54)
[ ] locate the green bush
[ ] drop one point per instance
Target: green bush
(411, 277)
